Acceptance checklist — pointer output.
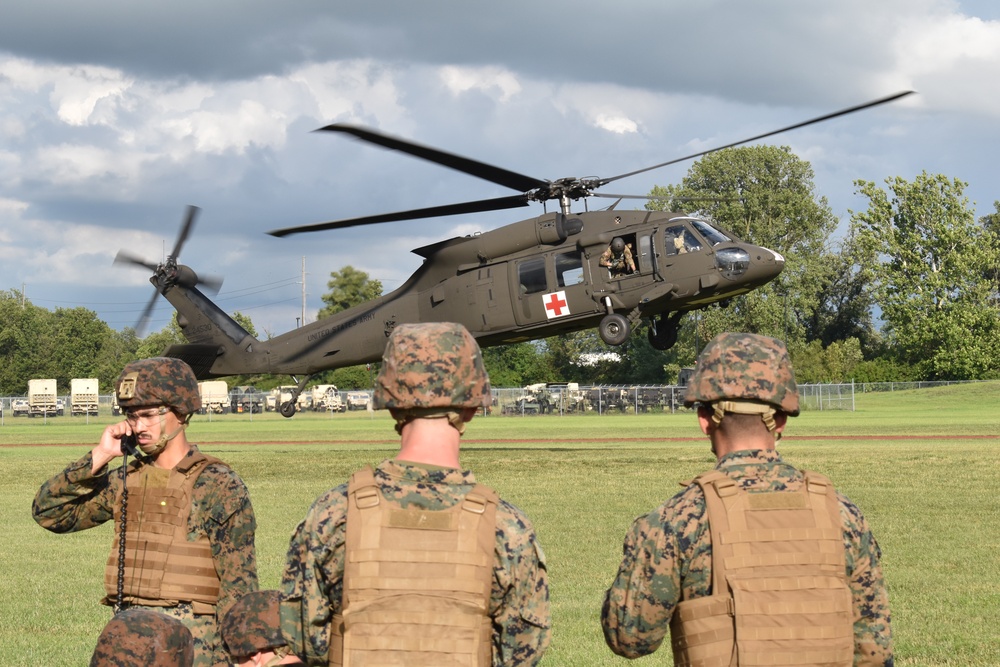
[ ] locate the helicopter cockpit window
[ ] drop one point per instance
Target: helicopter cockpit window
(678, 240)
(711, 234)
(569, 268)
(531, 274)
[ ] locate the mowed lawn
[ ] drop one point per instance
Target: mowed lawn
(923, 465)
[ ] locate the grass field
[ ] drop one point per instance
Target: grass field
(923, 466)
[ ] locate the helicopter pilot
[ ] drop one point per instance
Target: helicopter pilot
(618, 258)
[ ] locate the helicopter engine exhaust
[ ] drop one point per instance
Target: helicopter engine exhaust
(548, 229)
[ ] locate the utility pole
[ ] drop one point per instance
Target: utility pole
(303, 290)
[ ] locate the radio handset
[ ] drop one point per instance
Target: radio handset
(130, 445)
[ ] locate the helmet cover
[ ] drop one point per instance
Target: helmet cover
(143, 638)
(252, 624)
(744, 367)
(431, 365)
(159, 381)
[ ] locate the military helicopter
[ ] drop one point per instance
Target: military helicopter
(558, 272)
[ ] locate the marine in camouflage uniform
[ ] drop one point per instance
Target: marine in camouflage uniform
(159, 395)
(432, 380)
(668, 554)
(142, 638)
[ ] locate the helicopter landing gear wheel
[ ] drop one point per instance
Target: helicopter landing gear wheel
(662, 333)
(287, 409)
(614, 329)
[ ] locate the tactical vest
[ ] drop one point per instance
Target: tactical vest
(162, 567)
(779, 590)
(417, 582)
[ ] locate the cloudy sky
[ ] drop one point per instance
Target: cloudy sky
(115, 115)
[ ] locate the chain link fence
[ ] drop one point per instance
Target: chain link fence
(551, 399)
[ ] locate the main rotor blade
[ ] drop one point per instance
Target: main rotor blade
(125, 257)
(488, 172)
(835, 114)
(482, 205)
(186, 226)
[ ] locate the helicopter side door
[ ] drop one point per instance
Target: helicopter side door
(551, 287)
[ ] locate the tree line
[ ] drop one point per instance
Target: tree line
(910, 290)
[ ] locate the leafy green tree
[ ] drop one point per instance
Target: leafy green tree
(154, 344)
(924, 254)
(515, 365)
(245, 322)
(23, 342)
(765, 195)
(349, 287)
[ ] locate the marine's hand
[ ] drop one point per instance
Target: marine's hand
(110, 446)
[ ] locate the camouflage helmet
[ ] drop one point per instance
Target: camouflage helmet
(143, 638)
(159, 381)
(747, 367)
(252, 624)
(432, 365)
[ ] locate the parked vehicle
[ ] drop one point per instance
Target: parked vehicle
(42, 399)
(358, 400)
(83, 396)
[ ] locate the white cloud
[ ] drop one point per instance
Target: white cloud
(492, 80)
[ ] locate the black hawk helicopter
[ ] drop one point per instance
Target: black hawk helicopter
(559, 272)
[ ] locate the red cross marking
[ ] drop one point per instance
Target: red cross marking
(554, 304)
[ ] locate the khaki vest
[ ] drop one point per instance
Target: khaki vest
(163, 568)
(779, 591)
(417, 582)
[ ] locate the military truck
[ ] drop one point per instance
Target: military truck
(246, 398)
(358, 400)
(83, 396)
(282, 394)
(214, 397)
(326, 398)
(19, 407)
(42, 398)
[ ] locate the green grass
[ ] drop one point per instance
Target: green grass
(930, 499)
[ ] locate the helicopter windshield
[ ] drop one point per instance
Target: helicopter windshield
(710, 233)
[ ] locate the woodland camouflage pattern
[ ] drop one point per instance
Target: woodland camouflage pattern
(432, 365)
(744, 366)
(140, 638)
(667, 557)
(312, 587)
(159, 381)
(251, 626)
(75, 500)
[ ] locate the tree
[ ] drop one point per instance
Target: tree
(516, 365)
(348, 287)
(925, 254)
(764, 194)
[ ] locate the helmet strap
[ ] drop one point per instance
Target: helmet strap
(765, 410)
(161, 443)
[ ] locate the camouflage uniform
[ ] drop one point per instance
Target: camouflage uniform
(619, 264)
(428, 371)
(667, 554)
(141, 638)
(76, 500)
